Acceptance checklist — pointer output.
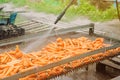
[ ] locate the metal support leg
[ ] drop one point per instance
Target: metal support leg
(86, 68)
(100, 67)
(91, 30)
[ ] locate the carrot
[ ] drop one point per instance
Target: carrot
(5, 70)
(9, 70)
(54, 44)
(2, 76)
(3, 66)
(19, 55)
(58, 70)
(16, 70)
(10, 56)
(26, 63)
(71, 43)
(4, 59)
(1, 71)
(34, 55)
(59, 39)
(26, 69)
(21, 68)
(15, 61)
(17, 48)
(87, 60)
(43, 76)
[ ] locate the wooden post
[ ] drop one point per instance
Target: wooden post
(118, 9)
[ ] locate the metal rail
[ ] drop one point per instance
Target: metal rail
(41, 32)
(38, 69)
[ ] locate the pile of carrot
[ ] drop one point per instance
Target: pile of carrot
(16, 61)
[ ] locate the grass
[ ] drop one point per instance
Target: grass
(4, 1)
(55, 7)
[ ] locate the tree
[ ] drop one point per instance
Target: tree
(100, 4)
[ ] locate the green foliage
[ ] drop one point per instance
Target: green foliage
(56, 6)
(46, 7)
(20, 2)
(4, 1)
(96, 15)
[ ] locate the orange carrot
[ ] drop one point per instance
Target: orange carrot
(15, 61)
(9, 70)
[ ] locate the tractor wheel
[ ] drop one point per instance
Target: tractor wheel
(1, 35)
(22, 31)
(10, 33)
(5, 34)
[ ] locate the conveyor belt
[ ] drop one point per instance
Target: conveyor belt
(38, 69)
(41, 32)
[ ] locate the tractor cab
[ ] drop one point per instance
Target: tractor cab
(8, 20)
(7, 25)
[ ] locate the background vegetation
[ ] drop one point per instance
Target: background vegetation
(84, 8)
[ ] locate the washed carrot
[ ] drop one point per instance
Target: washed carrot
(16, 69)
(5, 71)
(9, 70)
(16, 61)
(17, 48)
(4, 59)
(2, 76)
(43, 75)
(13, 58)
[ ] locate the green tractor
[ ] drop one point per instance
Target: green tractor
(7, 27)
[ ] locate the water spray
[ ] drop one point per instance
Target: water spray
(30, 47)
(61, 15)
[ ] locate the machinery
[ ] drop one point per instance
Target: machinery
(111, 51)
(7, 27)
